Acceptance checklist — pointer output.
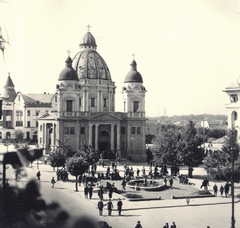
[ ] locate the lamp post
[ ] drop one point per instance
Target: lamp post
(232, 190)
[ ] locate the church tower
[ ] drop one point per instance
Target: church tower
(134, 105)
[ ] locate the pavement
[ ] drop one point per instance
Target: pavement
(47, 172)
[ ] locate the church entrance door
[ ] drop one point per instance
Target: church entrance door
(104, 143)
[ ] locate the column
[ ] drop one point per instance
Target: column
(77, 132)
(87, 98)
(90, 135)
(118, 137)
(96, 136)
(128, 137)
(112, 136)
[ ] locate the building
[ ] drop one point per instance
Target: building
(233, 108)
(20, 112)
(86, 108)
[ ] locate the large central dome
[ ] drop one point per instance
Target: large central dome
(88, 63)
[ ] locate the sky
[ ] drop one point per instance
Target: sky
(186, 51)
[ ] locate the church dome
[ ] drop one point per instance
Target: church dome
(88, 40)
(133, 75)
(68, 73)
(88, 63)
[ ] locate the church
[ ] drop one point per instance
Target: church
(86, 108)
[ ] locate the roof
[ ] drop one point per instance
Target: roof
(42, 98)
(68, 73)
(133, 75)
(88, 40)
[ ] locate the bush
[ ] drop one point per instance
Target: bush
(133, 196)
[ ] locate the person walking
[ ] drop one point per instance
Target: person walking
(166, 225)
(138, 171)
(100, 207)
(226, 189)
(221, 190)
(109, 207)
(100, 192)
(86, 191)
(53, 182)
(38, 175)
(171, 182)
(173, 225)
(119, 206)
(215, 189)
(138, 225)
(90, 191)
(124, 183)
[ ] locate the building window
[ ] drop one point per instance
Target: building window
(55, 98)
(19, 123)
(104, 102)
(69, 105)
(123, 130)
(69, 130)
(80, 102)
(138, 130)
(40, 127)
(28, 112)
(235, 116)
(36, 123)
(82, 130)
(19, 97)
(135, 106)
(92, 102)
(37, 112)
(133, 130)
(72, 130)
(28, 124)
(234, 98)
(40, 139)
(8, 124)
(8, 113)
(66, 130)
(19, 113)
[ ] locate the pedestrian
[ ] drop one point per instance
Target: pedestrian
(226, 189)
(119, 206)
(221, 190)
(173, 225)
(166, 225)
(138, 225)
(53, 182)
(109, 207)
(100, 207)
(110, 192)
(100, 192)
(45, 160)
(165, 181)
(86, 191)
(143, 171)
(215, 189)
(90, 191)
(171, 182)
(38, 175)
(138, 171)
(124, 183)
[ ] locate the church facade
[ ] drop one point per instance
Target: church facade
(86, 108)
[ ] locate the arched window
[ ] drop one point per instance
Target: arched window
(235, 116)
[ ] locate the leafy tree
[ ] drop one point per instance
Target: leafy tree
(77, 166)
(189, 148)
(149, 138)
(57, 158)
(222, 168)
(165, 144)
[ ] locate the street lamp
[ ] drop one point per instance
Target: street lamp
(232, 190)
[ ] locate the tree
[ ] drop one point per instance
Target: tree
(57, 158)
(165, 144)
(189, 148)
(77, 166)
(222, 167)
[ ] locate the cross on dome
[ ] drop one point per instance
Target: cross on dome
(133, 56)
(68, 51)
(88, 26)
